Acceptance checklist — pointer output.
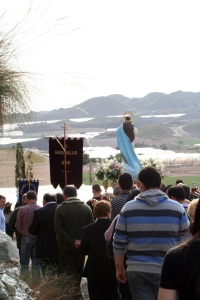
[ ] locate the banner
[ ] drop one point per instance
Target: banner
(25, 186)
(74, 162)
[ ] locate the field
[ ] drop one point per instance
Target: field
(188, 174)
(188, 180)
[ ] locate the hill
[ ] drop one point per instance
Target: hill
(151, 117)
(153, 103)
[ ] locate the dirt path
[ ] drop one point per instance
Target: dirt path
(178, 131)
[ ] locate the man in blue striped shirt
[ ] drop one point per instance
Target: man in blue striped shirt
(147, 228)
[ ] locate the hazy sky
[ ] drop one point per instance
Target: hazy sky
(79, 49)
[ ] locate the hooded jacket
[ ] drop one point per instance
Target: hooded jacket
(147, 228)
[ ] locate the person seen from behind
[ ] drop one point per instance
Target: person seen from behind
(59, 198)
(99, 269)
(96, 191)
(28, 241)
(123, 288)
(71, 216)
(180, 277)
(192, 208)
(13, 220)
(177, 193)
(125, 183)
(179, 181)
(42, 226)
(7, 214)
(147, 228)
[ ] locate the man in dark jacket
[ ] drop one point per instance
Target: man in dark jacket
(70, 218)
(43, 227)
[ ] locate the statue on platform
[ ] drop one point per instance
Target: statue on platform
(125, 137)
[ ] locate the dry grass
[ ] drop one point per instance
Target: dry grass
(56, 287)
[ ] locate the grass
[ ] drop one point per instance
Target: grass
(166, 180)
(188, 180)
(191, 142)
(56, 287)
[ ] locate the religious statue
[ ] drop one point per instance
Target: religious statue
(125, 137)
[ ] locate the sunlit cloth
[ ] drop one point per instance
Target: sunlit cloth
(131, 162)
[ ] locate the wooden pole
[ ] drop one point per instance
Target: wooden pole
(65, 158)
(90, 172)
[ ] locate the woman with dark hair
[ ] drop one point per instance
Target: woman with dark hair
(99, 269)
(180, 277)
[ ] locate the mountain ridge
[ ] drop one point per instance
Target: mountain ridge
(117, 104)
(106, 112)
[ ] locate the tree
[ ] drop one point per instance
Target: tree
(14, 96)
(16, 84)
(86, 158)
(20, 164)
(163, 147)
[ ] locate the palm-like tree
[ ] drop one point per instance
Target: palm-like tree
(14, 90)
(14, 96)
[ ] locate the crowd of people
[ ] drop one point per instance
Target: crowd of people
(142, 242)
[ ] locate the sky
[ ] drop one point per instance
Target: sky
(75, 50)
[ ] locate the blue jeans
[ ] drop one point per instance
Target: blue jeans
(27, 253)
(144, 286)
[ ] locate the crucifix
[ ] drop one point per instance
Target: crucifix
(64, 149)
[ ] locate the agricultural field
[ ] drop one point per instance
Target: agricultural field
(188, 180)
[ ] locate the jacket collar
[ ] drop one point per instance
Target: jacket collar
(72, 200)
